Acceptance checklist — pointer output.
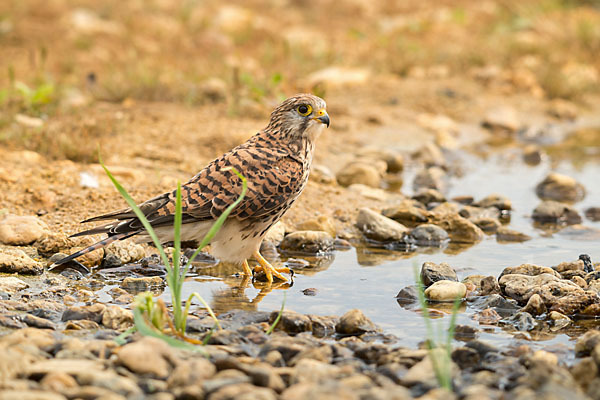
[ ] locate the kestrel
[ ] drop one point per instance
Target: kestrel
(276, 163)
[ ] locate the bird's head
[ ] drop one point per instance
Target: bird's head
(302, 116)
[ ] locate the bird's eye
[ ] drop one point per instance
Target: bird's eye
(304, 110)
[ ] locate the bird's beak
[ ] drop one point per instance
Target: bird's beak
(322, 117)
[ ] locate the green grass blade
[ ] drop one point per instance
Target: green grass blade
(146, 330)
(274, 325)
(121, 339)
(205, 304)
(138, 214)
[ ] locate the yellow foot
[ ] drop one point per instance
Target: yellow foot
(247, 270)
(268, 269)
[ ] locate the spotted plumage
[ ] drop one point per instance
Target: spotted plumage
(276, 163)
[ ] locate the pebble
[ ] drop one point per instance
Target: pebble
(489, 285)
(503, 118)
(505, 234)
(308, 242)
(549, 211)
(380, 228)
(428, 195)
(92, 312)
(429, 235)
(11, 284)
(322, 174)
(359, 172)
(322, 223)
(587, 342)
(529, 269)
(489, 225)
(423, 373)
(593, 214)
(21, 230)
(430, 178)
(127, 251)
(559, 187)
(191, 372)
(117, 318)
(407, 214)
(446, 291)
(148, 356)
(143, 284)
(498, 201)
(354, 322)
(522, 321)
(535, 306)
(292, 322)
(431, 273)
(17, 261)
(460, 229)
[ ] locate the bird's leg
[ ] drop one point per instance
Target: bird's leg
(269, 269)
(247, 270)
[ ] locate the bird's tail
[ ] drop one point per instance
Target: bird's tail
(95, 246)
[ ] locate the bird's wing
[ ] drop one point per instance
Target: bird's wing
(273, 177)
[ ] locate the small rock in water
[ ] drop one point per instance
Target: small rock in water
(354, 322)
(446, 291)
(532, 155)
(489, 285)
(498, 201)
(529, 269)
(310, 291)
(291, 322)
(377, 227)
(460, 229)
(489, 225)
(587, 263)
(407, 214)
(431, 273)
(504, 234)
(309, 242)
(535, 305)
(17, 261)
(143, 284)
(523, 321)
(560, 187)
(429, 235)
(21, 230)
(554, 212)
(593, 214)
(578, 265)
(408, 295)
(560, 320)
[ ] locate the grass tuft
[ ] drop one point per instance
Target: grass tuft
(151, 317)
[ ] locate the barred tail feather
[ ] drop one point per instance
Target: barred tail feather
(95, 246)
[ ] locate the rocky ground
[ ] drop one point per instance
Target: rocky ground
(161, 88)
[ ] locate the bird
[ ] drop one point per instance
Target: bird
(276, 163)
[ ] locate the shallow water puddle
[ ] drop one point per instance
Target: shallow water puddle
(369, 279)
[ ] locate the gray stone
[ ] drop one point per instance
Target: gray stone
(291, 322)
(354, 322)
(560, 187)
(522, 321)
(308, 242)
(587, 342)
(504, 234)
(92, 313)
(550, 211)
(431, 272)
(495, 200)
(378, 227)
(593, 214)
(428, 195)
(429, 235)
(143, 284)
